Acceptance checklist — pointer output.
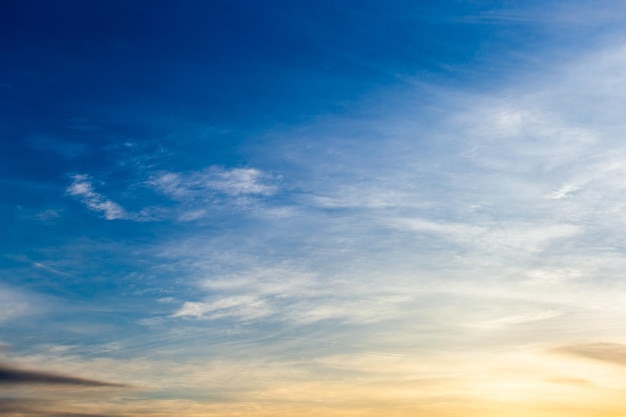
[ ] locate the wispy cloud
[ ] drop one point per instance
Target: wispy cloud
(48, 268)
(196, 193)
(519, 319)
(213, 184)
(565, 191)
(254, 294)
(82, 188)
(239, 181)
(240, 307)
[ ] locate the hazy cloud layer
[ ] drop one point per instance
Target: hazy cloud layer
(319, 219)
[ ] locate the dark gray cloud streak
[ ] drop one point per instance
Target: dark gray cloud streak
(14, 376)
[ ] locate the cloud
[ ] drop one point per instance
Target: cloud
(239, 307)
(614, 353)
(214, 181)
(526, 237)
(14, 376)
(15, 303)
(195, 191)
(191, 215)
(240, 181)
(565, 191)
(519, 319)
(48, 215)
(48, 268)
(82, 188)
(288, 294)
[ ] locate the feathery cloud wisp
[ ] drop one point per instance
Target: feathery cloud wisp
(82, 188)
(214, 180)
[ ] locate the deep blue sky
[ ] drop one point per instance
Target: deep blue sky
(201, 78)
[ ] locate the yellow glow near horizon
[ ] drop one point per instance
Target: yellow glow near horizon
(531, 382)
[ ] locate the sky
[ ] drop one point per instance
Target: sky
(312, 208)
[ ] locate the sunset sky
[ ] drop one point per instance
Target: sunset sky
(329, 208)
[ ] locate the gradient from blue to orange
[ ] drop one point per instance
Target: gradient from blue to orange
(338, 208)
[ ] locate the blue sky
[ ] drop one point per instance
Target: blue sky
(328, 208)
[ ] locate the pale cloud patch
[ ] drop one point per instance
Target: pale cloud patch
(555, 275)
(255, 294)
(213, 187)
(15, 303)
(191, 215)
(239, 307)
(367, 196)
(233, 182)
(291, 295)
(240, 181)
(528, 237)
(171, 184)
(565, 191)
(507, 321)
(279, 281)
(49, 214)
(361, 309)
(518, 137)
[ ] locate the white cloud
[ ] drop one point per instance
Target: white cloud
(82, 188)
(565, 191)
(239, 307)
(252, 294)
(214, 187)
(240, 181)
(519, 319)
(191, 215)
(170, 184)
(234, 182)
